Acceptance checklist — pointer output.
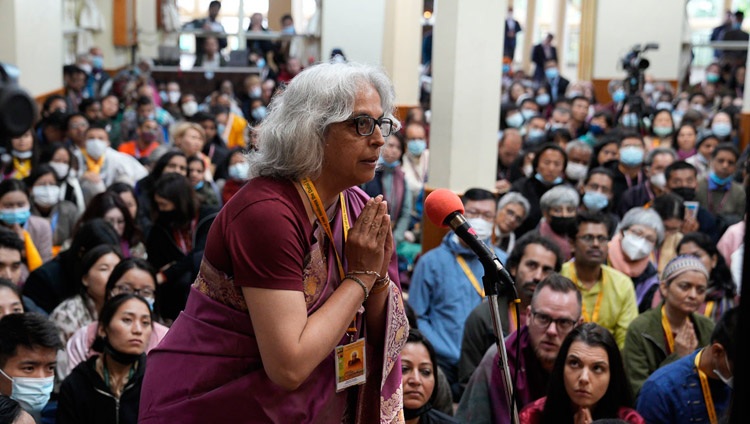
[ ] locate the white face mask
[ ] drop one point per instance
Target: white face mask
(528, 170)
(23, 155)
(482, 227)
(659, 180)
(576, 171)
(174, 96)
(61, 169)
(239, 171)
(46, 195)
(636, 247)
(95, 148)
(32, 393)
(729, 381)
(189, 108)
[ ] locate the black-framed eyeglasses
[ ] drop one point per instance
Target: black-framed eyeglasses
(144, 292)
(543, 321)
(365, 125)
(590, 239)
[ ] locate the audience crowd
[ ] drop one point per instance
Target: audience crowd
(623, 231)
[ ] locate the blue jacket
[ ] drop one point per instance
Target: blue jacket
(442, 295)
(673, 394)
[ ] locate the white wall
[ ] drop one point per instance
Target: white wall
(149, 37)
(622, 24)
(114, 57)
(31, 39)
(402, 48)
(356, 27)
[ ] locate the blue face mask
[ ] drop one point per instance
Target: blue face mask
(506, 69)
(718, 180)
(551, 73)
(596, 129)
(259, 113)
(15, 216)
(662, 131)
(527, 114)
(32, 393)
(630, 120)
(416, 147)
(542, 99)
(595, 201)
(536, 136)
(541, 179)
(515, 120)
(721, 129)
(664, 105)
(260, 63)
(387, 164)
(631, 156)
(220, 129)
(200, 185)
(618, 96)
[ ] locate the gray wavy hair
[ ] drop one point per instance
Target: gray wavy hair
(561, 195)
(647, 218)
(291, 137)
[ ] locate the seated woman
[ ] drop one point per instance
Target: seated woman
(419, 381)
(15, 214)
(204, 188)
(587, 383)
(24, 156)
(722, 292)
(10, 298)
(131, 276)
(110, 207)
(176, 239)
(56, 280)
(236, 169)
(46, 203)
(107, 387)
(559, 206)
(631, 250)
(662, 335)
(59, 157)
(173, 161)
(83, 308)
(130, 199)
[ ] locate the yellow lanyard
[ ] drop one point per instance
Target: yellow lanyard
(513, 319)
(22, 167)
(706, 390)
(93, 165)
(597, 306)
(320, 214)
(709, 308)
(667, 331)
(470, 275)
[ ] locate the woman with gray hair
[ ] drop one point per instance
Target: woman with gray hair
(559, 206)
(632, 249)
(512, 210)
(291, 264)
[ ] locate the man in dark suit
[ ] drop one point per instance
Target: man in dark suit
(541, 53)
(512, 28)
(556, 84)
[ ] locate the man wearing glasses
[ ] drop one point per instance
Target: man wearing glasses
(554, 310)
(608, 294)
(447, 284)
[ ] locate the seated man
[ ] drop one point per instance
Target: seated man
(146, 141)
(101, 165)
(28, 357)
(644, 193)
(682, 180)
(447, 284)
(608, 294)
(698, 387)
(554, 310)
(719, 193)
(511, 212)
(531, 260)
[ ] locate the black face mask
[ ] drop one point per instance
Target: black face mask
(564, 226)
(686, 193)
(121, 357)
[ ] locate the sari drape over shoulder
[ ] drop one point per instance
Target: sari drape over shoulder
(208, 368)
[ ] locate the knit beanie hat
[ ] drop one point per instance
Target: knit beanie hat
(682, 264)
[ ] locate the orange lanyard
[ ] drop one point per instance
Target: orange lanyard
(320, 214)
(470, 275)
(706, 390)
(709, 308)
(667, 331)
(513, 319)
(597, 306)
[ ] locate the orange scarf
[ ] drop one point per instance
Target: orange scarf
(22, 168)
(618, 261)
(33, 258)
(93, 165)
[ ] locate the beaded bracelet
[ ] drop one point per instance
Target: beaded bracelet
(361, 284)
(377, 276)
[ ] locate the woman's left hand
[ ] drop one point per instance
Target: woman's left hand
(388, 249)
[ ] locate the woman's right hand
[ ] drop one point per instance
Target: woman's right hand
(365, 244)
(582, 416)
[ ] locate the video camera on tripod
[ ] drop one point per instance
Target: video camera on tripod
(635, 64)
(17, 108)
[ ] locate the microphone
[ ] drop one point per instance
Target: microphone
(445, 210)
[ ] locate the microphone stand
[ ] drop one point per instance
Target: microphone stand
(496, 276)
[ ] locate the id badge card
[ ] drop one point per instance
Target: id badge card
(350, 365)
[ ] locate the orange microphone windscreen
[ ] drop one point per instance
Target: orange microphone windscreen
(441, 203)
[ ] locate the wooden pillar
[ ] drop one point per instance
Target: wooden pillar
(587, 40)
(745, 116)
(277, 9)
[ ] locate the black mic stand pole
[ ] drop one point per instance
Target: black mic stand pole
(494, 274)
